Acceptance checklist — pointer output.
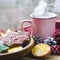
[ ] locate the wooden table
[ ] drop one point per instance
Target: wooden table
(52, 57)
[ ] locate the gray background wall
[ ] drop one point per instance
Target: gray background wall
(12, 12)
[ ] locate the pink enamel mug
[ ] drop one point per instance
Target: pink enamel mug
(42, 26)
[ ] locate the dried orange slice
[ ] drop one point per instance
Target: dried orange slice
(41, 50)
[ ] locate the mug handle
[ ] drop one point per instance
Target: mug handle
(22, 23)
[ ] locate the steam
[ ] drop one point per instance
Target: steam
(41, 9)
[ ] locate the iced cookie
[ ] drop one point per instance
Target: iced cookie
(3, 48)
(15, 49)
(14, 38)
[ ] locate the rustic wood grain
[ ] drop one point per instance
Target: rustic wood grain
(52, 57)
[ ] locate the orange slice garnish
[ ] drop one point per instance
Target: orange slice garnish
(41, 49)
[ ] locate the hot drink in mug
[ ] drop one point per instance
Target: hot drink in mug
(43, 26)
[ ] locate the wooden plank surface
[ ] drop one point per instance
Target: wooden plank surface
(52, 57)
